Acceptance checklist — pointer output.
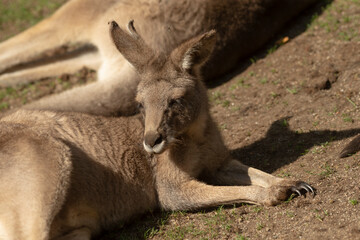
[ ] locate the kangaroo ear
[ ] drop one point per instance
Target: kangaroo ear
(131, 45)
(192, 54)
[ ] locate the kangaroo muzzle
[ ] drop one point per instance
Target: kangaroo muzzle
(154, 142)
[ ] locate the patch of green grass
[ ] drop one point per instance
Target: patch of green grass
(2, 95)
(351, 102)
(346, 19)
(160, 223)
(241, 82)
(235, 108)
(285, 123)
(348, 35)
(259, 226)
(241, 237)
(178, 232)
(331, 22)
(233, 87)
(151, 232)
(310, 172)
(226, 103)
(253, 60)
(290, 214)
(215, 223)
(347, 167)
(272, 49)
(274, 95)
(8, 92)
(4, 105)
(257, 209)
(347, 118)
(292, 90)
(66, 85)
(275, 82)
(215, 96)
(223, 126)
(263, 80)
(24, 13)
(284, 174)
(178, 213)
(316, 150)
(325, 144)
(313, 20)
(306, 151)
(321, 214)
(354, 202)
(327, 170)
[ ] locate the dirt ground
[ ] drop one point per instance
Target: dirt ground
(288, 110)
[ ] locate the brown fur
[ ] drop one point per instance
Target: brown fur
(242, 27)
(351, 148)
(71, 175)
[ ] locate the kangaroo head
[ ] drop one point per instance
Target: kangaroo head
(171, 96)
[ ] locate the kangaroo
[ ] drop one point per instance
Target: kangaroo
(351, 148)
(242, 27)
(72, 175)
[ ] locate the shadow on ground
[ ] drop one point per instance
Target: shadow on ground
(282, 146)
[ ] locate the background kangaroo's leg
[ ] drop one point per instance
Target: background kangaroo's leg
(72, 23)
(27, 45)
(115, 97)
(71, 65)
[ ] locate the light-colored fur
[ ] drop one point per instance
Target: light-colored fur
(72, 175)
(242, 26)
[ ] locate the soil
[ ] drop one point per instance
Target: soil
(288, 110)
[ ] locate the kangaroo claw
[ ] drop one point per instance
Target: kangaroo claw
(303, 186)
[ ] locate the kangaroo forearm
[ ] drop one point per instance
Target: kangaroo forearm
(195, 195)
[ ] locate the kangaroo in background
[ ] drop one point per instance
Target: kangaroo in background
(242, 27)
(351, 148)
(72, 175)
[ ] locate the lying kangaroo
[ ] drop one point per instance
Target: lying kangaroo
(71, 175)
(242, 26)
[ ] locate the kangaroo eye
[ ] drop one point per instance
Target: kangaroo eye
(140, 106)
(177, 101)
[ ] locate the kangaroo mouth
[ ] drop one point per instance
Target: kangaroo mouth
(157, 148)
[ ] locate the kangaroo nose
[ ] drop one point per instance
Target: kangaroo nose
(152, 139)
